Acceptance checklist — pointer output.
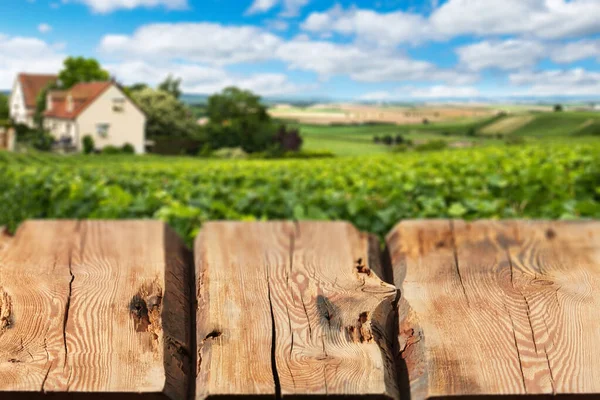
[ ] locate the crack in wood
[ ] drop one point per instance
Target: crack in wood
(67, 307)
(456, 265)
(517, 349)
(274, 371)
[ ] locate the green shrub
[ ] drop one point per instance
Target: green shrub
(230, 152)
(110, 149)
(128, 149)
(88, 144)
(432, 145)
(42, 141)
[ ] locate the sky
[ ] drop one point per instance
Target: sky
(381, 50)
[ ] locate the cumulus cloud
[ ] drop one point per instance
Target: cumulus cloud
(429, 92)
(106, 6)
(329, 59)
(573, 82)
(541, 18)
(26, 54)
(382, 28)
(44, 28)
(506, 55)
(548, 19)
(225, 45)
(200, 42)
(442, 91)
(201, 79)
(290, 8)
(381, 95)
(578, 50)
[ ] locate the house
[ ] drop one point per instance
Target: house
(24, 95)
(98, 109)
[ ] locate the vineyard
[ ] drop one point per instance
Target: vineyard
(553, 181)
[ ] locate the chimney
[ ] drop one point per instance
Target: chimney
(69, 103)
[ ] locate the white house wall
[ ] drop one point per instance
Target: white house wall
(127, 126)
(18, 111)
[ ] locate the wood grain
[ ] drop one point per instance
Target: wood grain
(291, 309)
(498, 308)
(94, 308)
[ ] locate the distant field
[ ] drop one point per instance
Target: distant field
(558, 124)
(508, 124)
(352, 114)
(353, 140)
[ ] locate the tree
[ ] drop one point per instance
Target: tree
(288, 139)
(238, 119)
(166, 115)
(558, 108)
(171, 85)
(137, 86)
(80, 69)
(4, 111)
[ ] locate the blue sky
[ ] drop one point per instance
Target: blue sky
(373, 50)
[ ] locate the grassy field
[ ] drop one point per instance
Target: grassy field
(357, 140)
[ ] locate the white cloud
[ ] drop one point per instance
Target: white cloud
(540, 18)
(261, 6)
(362, 64)
(548, 19)
(573, 82)
(44, 28)
(431, 92)
(26, 54)
(578, 50)
(209, 43)
(106, 6)
(507, 55)
(202, 79)
(442, 91)
(290, 8)
(376, 96)
(382, 28)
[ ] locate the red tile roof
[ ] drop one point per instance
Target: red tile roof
(82, 95)
(32, 85)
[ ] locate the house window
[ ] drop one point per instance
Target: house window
(102, 130)
(118, 104)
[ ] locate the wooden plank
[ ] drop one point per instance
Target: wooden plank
(498, 308)
(94, 307)
(291, 309)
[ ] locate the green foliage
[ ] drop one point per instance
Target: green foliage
(166, 115)
(111, 150)
(374, 193)
(171, 85)
(558, 108)
(42, 141)
(88, 144)
(79, 69)
(432, 145)
(230, 153)
(238, 119)
(4, 110)
(128, 149)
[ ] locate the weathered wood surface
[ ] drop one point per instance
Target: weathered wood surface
(291, 309)
(491, 308)
(98, 308)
